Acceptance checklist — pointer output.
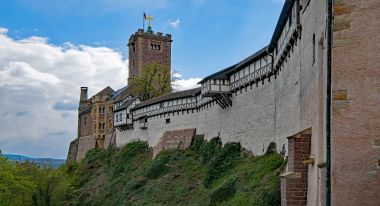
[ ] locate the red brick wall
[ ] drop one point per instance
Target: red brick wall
(175, 139)
(356, 103)
(143, 54)
(294, 181)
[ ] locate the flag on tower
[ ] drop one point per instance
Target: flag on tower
(144, 16)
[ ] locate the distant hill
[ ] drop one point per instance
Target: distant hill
(40, 161)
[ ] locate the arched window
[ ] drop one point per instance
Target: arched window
(110, 123)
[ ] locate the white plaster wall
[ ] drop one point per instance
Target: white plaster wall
(250, 120)
(156, 127)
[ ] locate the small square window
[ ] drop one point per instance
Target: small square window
(167, 121)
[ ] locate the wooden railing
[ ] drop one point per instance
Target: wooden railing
(256, 75)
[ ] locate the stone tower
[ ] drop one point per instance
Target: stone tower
(147, 47)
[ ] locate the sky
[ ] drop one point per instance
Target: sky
(49, 49)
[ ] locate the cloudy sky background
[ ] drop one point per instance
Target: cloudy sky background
(49, 49)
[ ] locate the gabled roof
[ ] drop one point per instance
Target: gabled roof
(255, 56)
(106, 91)
(225, 73)
(281, 23)
(167, 97)
(125, 104)
(222, 74)
(120, 94)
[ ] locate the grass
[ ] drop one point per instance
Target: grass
(205, 174)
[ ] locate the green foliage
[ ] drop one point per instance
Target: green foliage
(223, 160)
(224, 192)
(155, 80)
(205, 174)
(16, 186)
(30, 184)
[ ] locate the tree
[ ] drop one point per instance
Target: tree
(16, 187)
(155, 80)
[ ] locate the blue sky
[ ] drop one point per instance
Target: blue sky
(48, 49)
(212, 34)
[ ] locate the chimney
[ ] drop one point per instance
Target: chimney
(83, 94)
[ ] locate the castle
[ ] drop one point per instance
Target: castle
(313, 90)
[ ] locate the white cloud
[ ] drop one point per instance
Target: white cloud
(175, 23)
(40, 83)
(39, 89)
(184, 84)
(21, 74)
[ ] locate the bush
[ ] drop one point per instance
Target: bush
(222, 161)
(224, 192)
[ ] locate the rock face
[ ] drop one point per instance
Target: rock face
(175, 139)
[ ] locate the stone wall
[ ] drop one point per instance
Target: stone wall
(73, 150)
(356, 99)
(174, 139)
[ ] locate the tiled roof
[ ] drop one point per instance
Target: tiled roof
(281, 23)
(106, 91)
(171, 96)
(125, 104)
(120, 93)
(257, 55)
(222, 74)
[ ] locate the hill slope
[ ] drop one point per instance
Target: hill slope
(205, 174)
(39, 161)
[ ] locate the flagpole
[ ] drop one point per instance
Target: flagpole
(143, 21)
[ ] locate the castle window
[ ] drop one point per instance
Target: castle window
(133, 62)
(167, 121)
(127, 116)
(110, 123)
(313, 48)
(84, 121)
(134, 48)
(104, 109)
(100, 126)
(117, 117)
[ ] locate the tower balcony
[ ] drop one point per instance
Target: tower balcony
(218, 90)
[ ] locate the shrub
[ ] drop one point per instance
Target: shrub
(222, 161)
(224, 192)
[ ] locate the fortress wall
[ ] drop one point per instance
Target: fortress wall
(250, 120)
(209, 121)
(156, 128)
(85, 143)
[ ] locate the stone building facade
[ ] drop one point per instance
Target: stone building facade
(96, 122)
(148, 47)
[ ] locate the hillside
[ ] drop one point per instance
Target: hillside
(39, 161)
(205, 174)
